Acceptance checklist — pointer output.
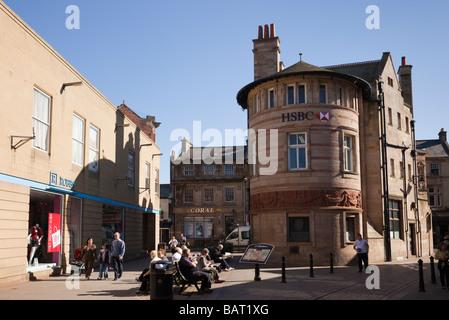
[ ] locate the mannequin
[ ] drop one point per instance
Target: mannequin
(36, 235)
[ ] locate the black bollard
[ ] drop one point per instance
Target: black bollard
(283, 271)
(332, 263)
(421, 277)
(257, 273)
(432, 270)
(311, 265)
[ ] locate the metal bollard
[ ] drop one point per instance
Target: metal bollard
(257, 273)
(332, 263)
(311, 266)
(432, 271)
(421, 277)
(283, 270)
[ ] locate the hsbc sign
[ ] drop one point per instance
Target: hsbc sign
(324, 116)
(310, 115)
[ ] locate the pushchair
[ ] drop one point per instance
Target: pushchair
(77, 264)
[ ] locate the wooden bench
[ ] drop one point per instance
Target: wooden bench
(182, 281)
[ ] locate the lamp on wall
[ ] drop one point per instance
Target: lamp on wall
(121, 179)
(145, 145)
(121, 126)
(157, 154)
(70, 84)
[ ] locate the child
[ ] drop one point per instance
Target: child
(173, 243)
(105, 259)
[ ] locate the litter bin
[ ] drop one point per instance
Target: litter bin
(161, 280)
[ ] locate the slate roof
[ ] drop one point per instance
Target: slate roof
(236, 152)
(433, 148)
(165, 190)
(301, 68)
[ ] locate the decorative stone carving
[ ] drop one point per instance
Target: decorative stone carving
(306, 198)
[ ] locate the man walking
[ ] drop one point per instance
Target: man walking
(117, 253)
(362, 248)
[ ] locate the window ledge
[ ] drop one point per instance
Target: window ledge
(350, 175)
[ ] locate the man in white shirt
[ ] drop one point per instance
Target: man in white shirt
(177, 254)
(362, 248)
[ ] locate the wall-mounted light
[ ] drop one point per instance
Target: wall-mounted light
(70, 84)
(145, 145)
(157, 154)
(121, 179)
(121, 126)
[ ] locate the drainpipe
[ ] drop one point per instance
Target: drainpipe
(384, 169)
(415, 186)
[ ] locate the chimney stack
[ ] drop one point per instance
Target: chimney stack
(405, 80)
(442, 135)
(266, 52)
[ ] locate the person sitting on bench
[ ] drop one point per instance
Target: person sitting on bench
(217, 256)
(191, 272)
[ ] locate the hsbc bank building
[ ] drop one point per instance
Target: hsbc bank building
(332, 155)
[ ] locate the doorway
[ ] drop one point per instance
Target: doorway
(412, 239)
(41, 205)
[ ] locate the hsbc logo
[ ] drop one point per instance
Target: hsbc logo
(324, 116)
(301, 116)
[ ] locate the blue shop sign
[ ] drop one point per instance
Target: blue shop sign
(55, 180)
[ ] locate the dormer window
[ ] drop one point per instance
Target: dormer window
(301, 93)
(323, 94)
(290, 94)
(270, 98)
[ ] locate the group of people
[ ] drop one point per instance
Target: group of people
(442, 255)
(106, 257)
(205, 267)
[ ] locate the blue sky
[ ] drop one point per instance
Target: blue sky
(185, 61)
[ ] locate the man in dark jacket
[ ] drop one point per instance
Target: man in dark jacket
(216, 255)
(191, 271)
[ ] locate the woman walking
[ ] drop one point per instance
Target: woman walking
(89, 257)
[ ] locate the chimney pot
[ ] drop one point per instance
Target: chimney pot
(266, 32)
(272, 33)
(260, 32)
(403, 61)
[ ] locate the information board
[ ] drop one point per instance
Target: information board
(257, 253)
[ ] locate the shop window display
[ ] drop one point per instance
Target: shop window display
(41, 205)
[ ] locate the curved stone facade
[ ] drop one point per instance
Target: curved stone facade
(321, 189)
(331, 154)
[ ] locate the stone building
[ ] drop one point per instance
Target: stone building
(436, 173)
(70, 161)
(341, 142)
(209, 198)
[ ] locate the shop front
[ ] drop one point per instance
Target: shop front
(44, 230)
(55, 222)
(204, 226)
